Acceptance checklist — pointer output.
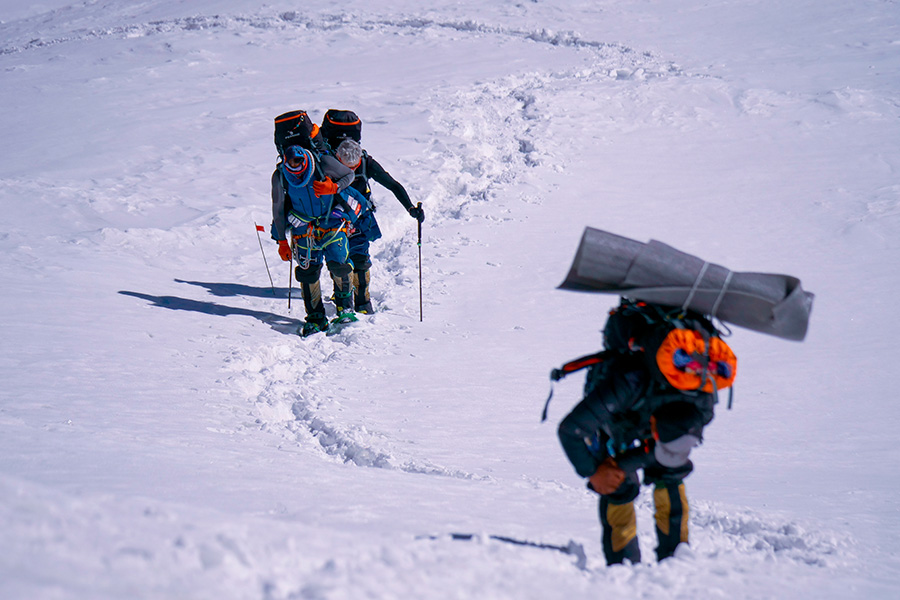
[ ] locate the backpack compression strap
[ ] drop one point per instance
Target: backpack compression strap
(569, 368)
(579, 364)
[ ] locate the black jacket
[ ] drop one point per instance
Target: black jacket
(620, 395)
(369, 168)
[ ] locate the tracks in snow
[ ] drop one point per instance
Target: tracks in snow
(616, 55)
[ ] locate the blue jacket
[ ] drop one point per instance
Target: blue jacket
(295, 204)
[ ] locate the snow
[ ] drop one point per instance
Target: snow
(165, 434)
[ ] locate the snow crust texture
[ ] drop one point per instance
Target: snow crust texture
(164, 431)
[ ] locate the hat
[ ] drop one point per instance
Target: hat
(296, 160)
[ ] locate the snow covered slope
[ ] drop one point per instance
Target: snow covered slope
(165, 434)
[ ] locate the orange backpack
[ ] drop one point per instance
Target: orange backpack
(681, 349)
(693, 360)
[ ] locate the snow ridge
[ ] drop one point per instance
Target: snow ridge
(608, 52)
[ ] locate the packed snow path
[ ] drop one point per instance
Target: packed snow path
(166, 433)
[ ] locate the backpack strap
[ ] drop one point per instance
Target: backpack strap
(288, 203)
(690, 296)
(364, 164)
(579, 364)
(570, 367)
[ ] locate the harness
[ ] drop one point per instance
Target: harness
(314, 229)
(317, 239)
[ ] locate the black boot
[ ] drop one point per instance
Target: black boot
(361, 301)
(343, 297)
(315, 310)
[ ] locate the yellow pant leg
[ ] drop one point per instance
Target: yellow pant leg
(619, 532)
(672, 514)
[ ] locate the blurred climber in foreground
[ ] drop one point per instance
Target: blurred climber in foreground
(651, 391)
(342, 130)
(647, 397)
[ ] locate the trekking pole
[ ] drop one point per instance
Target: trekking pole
(419, 206)
(259, 239)
(291, 279)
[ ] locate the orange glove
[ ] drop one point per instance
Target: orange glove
(324, 188)
(607, 478)
(284, 251)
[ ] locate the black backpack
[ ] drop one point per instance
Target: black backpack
(681, 352)
(293, 128)
(680, 349)
(338, 125)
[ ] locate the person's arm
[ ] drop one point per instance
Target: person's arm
(279, 222)
(335, 170)
(580, 428)
(381, 176)
(575, 433)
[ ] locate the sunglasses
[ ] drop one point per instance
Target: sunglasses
(297, 163)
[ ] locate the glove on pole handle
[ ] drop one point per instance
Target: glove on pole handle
(419, 223)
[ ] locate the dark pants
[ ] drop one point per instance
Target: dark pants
(619, 522)
(366, 230)
(341, 274)
(361, 278)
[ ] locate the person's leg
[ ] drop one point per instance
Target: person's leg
(361, 277)
(341, 275)
(672, 511)
(619, 523)
(308, 276)
(671, 505)
(335, 246)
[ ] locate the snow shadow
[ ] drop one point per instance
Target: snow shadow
(279, 323)
(236, 289)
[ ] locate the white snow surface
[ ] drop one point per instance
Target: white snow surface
(164, 433)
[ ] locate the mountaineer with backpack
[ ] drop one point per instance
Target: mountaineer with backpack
(647, 397)
(652, 389)
(313, 203)
(342, 130)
